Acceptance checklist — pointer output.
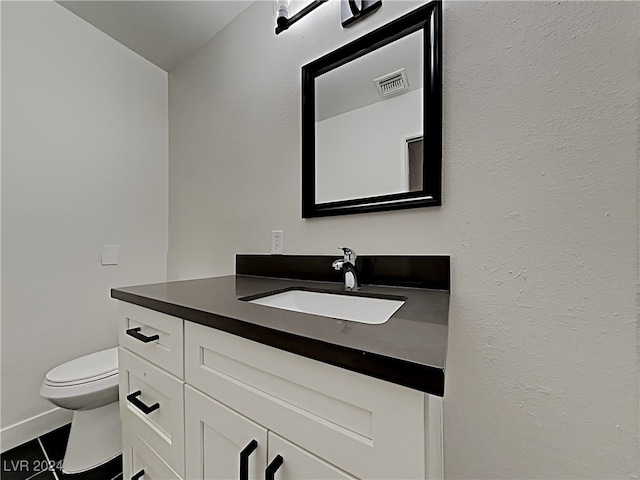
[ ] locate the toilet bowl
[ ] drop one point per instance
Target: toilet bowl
(88, 385)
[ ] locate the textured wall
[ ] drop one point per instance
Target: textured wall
(84, 164)
(540, 213)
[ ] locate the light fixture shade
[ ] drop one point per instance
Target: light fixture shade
(282, 10)
(284, 19)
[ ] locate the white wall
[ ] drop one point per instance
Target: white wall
(540, 213)
(352, 161)
(84, 164)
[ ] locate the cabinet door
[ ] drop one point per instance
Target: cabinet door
(217, 437)
(298, 464)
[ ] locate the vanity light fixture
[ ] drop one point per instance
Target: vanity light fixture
(353, 10)
(283, 20)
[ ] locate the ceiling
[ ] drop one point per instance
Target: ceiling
(351, 86)
(163, 32)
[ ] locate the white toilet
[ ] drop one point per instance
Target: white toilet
(88, 385)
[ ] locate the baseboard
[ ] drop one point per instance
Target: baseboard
(33, 427)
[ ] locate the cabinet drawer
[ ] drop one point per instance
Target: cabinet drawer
(156, 411)
(364, 426)
(143, 324)
(138, 456)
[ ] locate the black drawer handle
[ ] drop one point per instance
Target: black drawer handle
(146, 409)
(138, 475)
(244, 459)
(135, 333)
(270, 472)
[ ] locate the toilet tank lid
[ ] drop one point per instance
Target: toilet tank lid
(85, 367)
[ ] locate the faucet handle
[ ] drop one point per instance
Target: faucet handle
(349, 255)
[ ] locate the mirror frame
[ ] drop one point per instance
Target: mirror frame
(429, 19)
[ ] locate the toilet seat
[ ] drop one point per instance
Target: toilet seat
(85, 369)
(73, 383)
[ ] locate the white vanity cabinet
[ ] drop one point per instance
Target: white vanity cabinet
(251, 411)
(357, 425)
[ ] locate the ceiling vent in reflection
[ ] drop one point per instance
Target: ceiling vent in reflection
(392, 83)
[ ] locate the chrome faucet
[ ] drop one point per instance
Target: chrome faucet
(348, 267)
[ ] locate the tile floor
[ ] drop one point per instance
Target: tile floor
(32, 461)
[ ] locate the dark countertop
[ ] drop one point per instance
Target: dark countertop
(409, 349)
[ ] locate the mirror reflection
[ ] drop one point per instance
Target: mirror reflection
(368, 124)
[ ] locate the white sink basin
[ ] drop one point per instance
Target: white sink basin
(344, 307)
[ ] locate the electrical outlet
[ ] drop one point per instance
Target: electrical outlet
(277, 240)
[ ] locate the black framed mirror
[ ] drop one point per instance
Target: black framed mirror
(372, 120)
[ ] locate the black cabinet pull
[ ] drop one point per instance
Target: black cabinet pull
(270, 472)
(138, 475)
(146, 409)
(244, 459)
(135, 333)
